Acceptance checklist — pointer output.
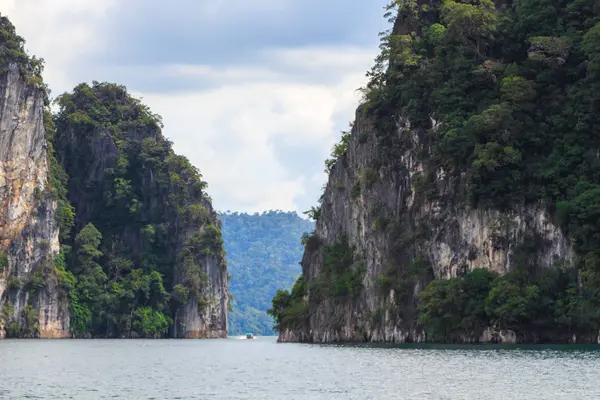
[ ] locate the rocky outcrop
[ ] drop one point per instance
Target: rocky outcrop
(205, 316)
(462, 206)
(28, 227)
(192, 244)
(375, 201)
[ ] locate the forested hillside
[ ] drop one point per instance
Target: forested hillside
(263, 254)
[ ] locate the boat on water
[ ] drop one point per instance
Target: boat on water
(249, 336)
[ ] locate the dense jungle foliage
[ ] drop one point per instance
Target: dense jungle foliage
(135, 221)
(263, 254)
(504, 96)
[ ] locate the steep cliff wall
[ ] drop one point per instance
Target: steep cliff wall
(156, 237)
(389, 228)
(31, 300)
(460, 206)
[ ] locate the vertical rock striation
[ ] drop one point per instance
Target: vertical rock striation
(462, 206)
(207, 318)
(151, 209)
(28, 227)
(390, 226)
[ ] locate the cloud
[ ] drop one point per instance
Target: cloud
(63, 32)
(261, 143)
(253, 93)
(226, 32)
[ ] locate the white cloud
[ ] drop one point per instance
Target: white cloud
(63, 32)
(229, 131)
(298, 97)
(332, 59)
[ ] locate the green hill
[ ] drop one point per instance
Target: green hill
(263, 254)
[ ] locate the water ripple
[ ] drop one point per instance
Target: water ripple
(264, 370)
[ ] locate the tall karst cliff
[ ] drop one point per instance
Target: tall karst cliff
(462, 205)
(105, 231)
(156, 246)
(31, 300)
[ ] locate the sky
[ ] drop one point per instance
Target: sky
(254, 93)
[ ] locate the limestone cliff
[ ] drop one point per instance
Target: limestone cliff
(195, 319)
(31, 300)
(389, 227)
(150, 207)
(461, 206)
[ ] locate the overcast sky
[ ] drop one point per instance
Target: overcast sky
(253, 92)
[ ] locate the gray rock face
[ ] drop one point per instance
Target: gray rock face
(28, 228)
(208, 320)
(198, 318)
(104, 154)
(391, 222)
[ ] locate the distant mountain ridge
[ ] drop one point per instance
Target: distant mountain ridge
(263, 254)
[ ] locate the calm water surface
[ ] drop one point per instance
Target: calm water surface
(261, 369)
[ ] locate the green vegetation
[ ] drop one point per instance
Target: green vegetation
(504, 100)
(290, 310)
(57, 184)
(368, 177)
(13, 328)
(339, 149)
(3, 260)
(7, 312)
(263, 254)
(119, 263)
(511, 92)
(340, 280)
(342, 276)
(546, 304)
(13, 52)
(512, 96)
(133, 216)
(14, 283)
(402, 281)
(456, 306)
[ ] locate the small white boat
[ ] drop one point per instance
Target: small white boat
(249, 336)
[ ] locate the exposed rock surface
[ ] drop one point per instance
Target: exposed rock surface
(28, 227)
(87, 155)
(390, 224)
(211, 320)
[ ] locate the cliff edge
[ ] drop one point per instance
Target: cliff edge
(459, 207)
(32, 303)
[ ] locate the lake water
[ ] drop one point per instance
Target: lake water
(261, 369)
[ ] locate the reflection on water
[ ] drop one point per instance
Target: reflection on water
(260, 369)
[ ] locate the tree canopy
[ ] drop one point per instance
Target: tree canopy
(263, 254)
